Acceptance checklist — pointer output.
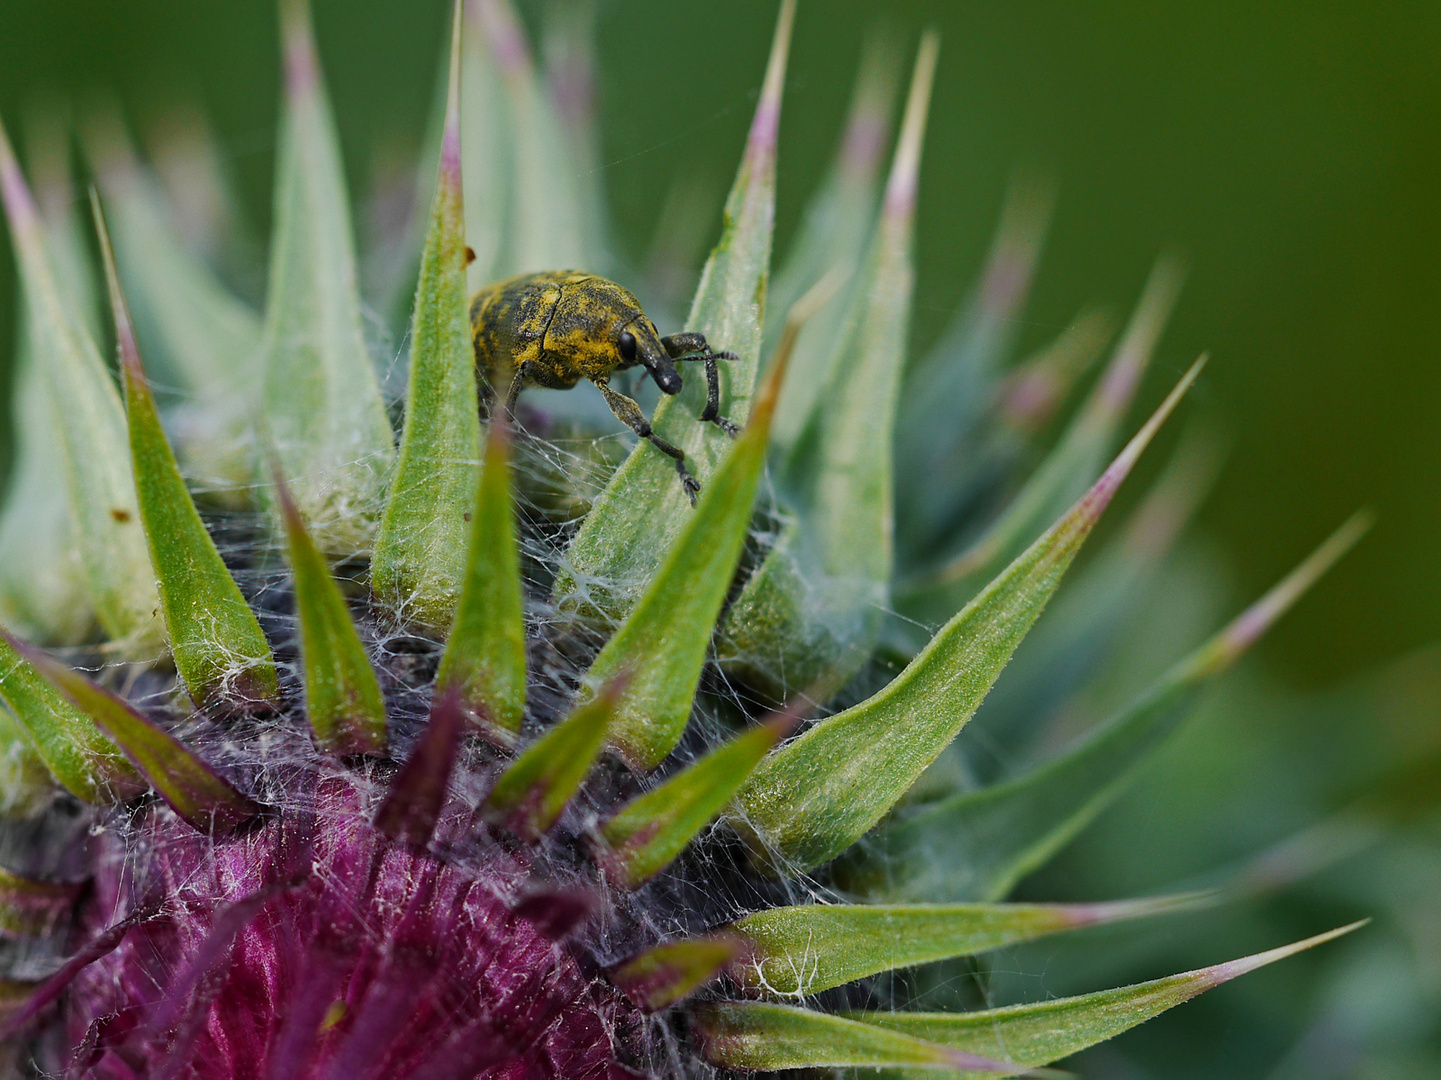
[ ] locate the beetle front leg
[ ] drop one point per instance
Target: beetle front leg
(517, 384)
(683, 344)
(629, 414)
(678, 346)
(711, 412)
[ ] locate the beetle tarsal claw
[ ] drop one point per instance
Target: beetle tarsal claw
(730, 427)
(689, 482)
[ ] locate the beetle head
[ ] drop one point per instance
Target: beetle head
(639, 344)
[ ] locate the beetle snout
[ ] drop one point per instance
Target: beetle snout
(663, 371)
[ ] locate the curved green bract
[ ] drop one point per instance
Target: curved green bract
(485, 655)
(1050, 1030)
(819, 794)
(531, 794)
(540, 221)
(487, 155)
(835, 230)
(802, 950)
(662, 643)
(813, 610)
(1084, 625)
(77, 753)
(196, 333)
(977, 845)
(219, 649)
(343, 701)
(44, 595)
(323, 414)
(43, 591)
(746, 1035)
(84, 407)
(660, 977)
(1067, 469)
(569, 61)
(192, 788)
(646, 835)
(643, 509)
(419, 560)
(949, 391)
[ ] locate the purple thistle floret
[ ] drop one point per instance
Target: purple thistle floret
(239, 950)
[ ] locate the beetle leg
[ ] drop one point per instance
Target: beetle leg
(677, 345)
(629, 413)
(711, 412)
(518, 379)
(510, 397)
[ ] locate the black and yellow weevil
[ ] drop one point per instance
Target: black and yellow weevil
(555, 328)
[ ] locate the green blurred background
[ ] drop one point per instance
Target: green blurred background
(1289, 152)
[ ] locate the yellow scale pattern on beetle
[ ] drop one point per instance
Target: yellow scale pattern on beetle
(552, 329)
(555, 328)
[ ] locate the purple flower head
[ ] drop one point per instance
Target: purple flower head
(314, 946)
(511, 759)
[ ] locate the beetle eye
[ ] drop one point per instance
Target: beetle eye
(627, 346)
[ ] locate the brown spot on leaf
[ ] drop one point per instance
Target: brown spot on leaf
(120, 515)
(469, 254)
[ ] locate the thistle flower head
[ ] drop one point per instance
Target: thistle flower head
(354, 732)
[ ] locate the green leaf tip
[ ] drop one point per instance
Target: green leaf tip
(667, 974)
(419, 561)
(74, 750)
(978, 844)
(763, 1037)
(1033, 1035)
(820, 793)
(531, 794)
(322, 408)
(343, 701)
(900, 197)
(1229, 645)
(84, 408)
(802, 950)
(664, 640)
(532, 202)
(835, 230)
(1069, 466)
(198, 334)
(219, 649)
(814, 609)
(193, 789)
(44, 594)
(1034, 391)
(485, 654)
(649, 833)
(642, 511)
(949, 391)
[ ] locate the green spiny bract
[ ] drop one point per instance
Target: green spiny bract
(470, 753)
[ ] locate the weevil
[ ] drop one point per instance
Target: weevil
(555, 328)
